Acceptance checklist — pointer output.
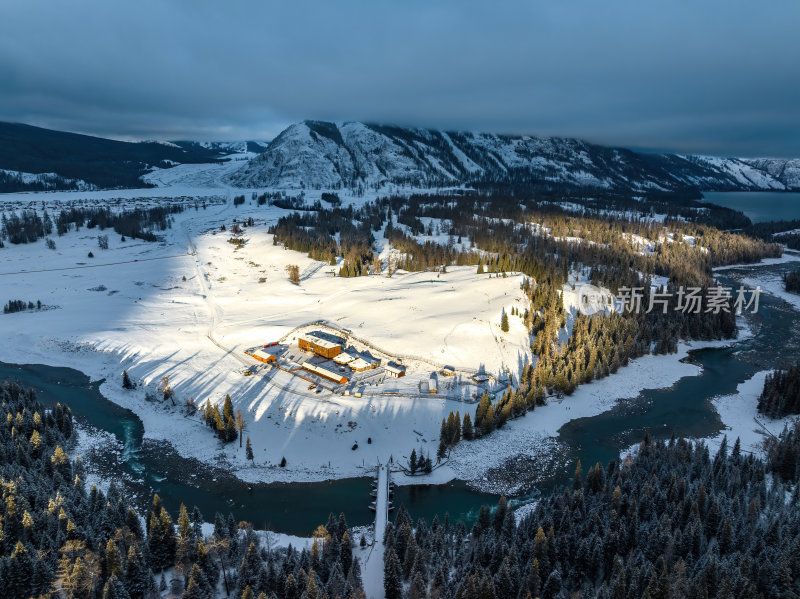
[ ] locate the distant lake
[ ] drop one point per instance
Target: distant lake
(760, 206)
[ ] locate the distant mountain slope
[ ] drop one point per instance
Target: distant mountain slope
(223, 148)
(787, 171)
(98, 162)
(326, 155)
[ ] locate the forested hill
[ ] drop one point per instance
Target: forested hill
(674, 521)
(73, 161)
(60, 539)
(316, 154)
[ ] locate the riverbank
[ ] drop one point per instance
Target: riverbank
(788, 256)
(509, 461)
(741, 420)
(773, 283)
(530, 444)
(739, 413)
(166, 310)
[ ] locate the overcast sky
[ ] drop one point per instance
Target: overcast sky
(691, 76)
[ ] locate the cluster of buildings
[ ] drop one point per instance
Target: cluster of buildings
(268, 353)
(333, 360)
(344, 359)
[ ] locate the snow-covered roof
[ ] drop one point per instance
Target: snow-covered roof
(344, 358)
(360, 364)
(394, 368)
(264, 355)
(319, 340)
(326, 372)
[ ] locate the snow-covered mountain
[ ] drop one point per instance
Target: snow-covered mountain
(319, 154)
(19, 181)
(787, 171)
(226, 147)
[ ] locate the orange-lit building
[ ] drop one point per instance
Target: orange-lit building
(261, 355)
(314, 342)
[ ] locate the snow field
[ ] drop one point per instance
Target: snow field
(158, 310)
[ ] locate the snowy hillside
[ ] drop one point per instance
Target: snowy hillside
(787, 171)
(225, 148)
(316, 154)
(18, 181)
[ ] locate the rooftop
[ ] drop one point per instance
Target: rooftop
(319, 339)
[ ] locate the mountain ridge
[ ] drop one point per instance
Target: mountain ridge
(321, 154)
(97, 161)
(356, 155)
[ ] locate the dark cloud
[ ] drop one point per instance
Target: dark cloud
(711, 76)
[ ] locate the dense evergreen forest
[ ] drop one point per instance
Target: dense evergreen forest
(781, 394)
(783, 231)
(543, 242)
(29, 226)
(535, 237)
(673, 521)
(11, 182)
(105, 163)
(791, 281)
(58, 539)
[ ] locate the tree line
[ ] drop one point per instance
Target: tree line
(29, 226)
(546, 245)
(671, 521)
(21, 306)
(60, 539)
(791, 281)
(536, 239)
(789, 232)
(781, 394)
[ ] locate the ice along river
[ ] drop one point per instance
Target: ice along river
(684, 409)
(147, 466)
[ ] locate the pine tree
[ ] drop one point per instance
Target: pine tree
(312, 592)
(441, 452)
(290, 587)
(126, 381)
(227, 409)
(136, 574)
(428, 466)
(240, 426)
(346, 553)
(504, 322)
(249, 451)
(500, 513)
(186, 543)
(418, 588)
(114, 589)
(392, 576)
(193, 590)
(466, 428)
(113, 559)
(534, 578)
(249, 569)
(552, 586)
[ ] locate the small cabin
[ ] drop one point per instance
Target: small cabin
(395, 370)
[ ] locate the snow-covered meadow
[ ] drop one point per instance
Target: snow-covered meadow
(188, 306)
